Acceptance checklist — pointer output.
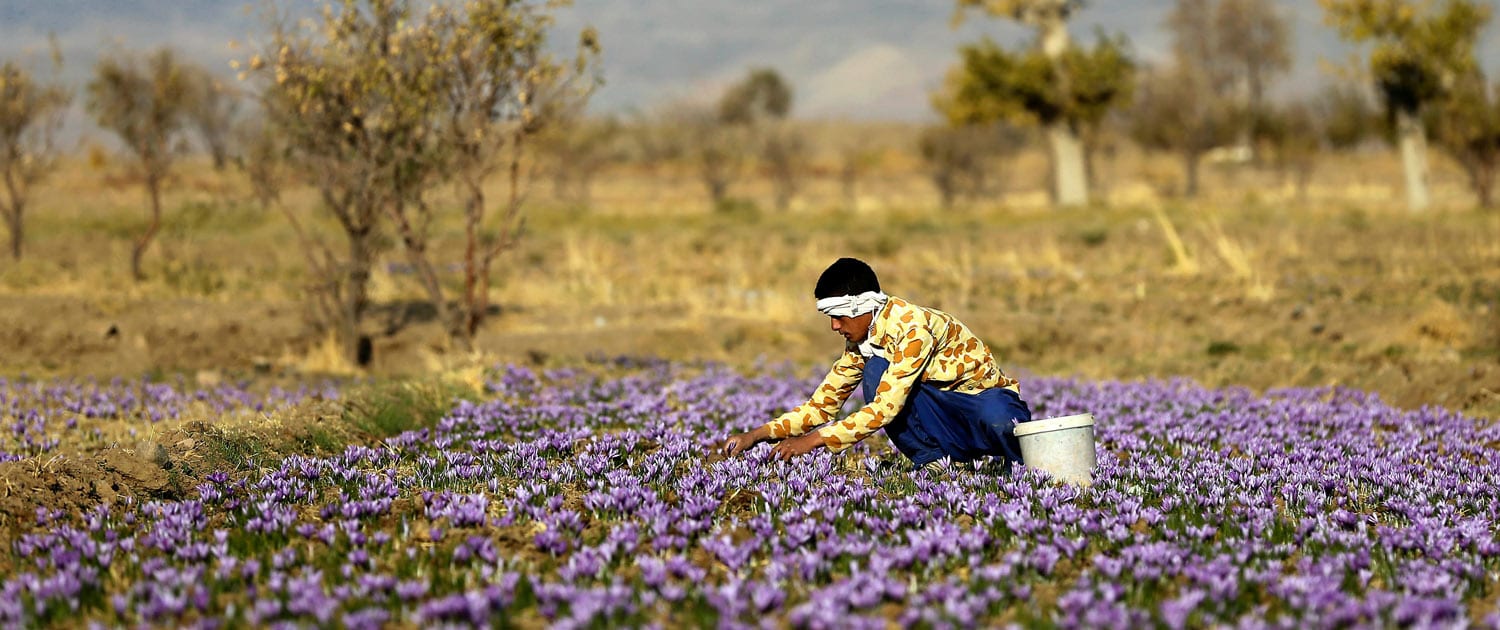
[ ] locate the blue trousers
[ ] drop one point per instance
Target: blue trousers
(962, 427)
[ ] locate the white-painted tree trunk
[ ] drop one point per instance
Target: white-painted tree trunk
(1413, 159)
(1069, 177)
(1072, 181)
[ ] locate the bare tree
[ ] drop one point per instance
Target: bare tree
(380, 105)
(336, 93)
(1176, 110)
(143, 100)
(1346, 116)
(1293, 133)
(858, 153)
(759, 104)
(783, 150)
(1255, 40)
(579, 147)
(717, 150)
(503, 89)
(654, 141)
(30, 116)
(962, 162)
(262, 158)
(211, 108)
(1191, 107)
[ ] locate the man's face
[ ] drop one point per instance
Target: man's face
(854, 329)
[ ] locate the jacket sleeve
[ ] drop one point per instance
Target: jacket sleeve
(910, 352)
(826, 400)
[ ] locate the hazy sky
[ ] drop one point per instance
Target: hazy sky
(857, 58)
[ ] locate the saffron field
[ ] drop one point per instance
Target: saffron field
(592, 497)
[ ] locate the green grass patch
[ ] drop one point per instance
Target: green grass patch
(240, 451)
(391, 408)
(1222, 348)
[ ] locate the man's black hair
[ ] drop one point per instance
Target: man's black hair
(846, 276)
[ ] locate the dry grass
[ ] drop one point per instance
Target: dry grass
(1245, 286)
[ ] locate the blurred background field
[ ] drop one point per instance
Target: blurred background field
(1245, 286)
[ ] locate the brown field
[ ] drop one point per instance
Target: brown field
(1246, 286)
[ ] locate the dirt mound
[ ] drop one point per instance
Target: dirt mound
(168, 467)
(74, 484)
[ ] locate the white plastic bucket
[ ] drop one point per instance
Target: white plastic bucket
(1062, 447)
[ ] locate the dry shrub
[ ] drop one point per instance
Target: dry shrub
(1441, 324)
(325, 357)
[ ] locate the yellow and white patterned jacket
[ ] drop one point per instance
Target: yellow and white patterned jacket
(922, 344)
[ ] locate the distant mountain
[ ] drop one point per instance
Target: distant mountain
(863, 59)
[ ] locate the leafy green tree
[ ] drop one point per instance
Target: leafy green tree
(1057, 85)
(1420, 50)
(1467, 126)
(143, 100)
(762, 95)
(30, 116)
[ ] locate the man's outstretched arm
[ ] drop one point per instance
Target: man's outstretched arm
(909, 357)
(819, 409)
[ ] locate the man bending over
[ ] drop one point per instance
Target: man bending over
(929, 382)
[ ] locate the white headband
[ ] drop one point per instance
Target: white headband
(852, 305)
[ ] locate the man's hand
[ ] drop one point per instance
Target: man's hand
(737, 443)
(800, 445)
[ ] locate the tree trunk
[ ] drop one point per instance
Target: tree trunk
(1484, 185)
(1190, 171)
(1054, 34)
(153, 187)
(849, 186)
(718, 191)
(14, 219)
(1304, 180)
(14, 213)
(785, 190)
(1413, 159)
(946, 191)
(1068, 172)
(473, 218)
(416, 254)
(357, 281)
(1067, 164)
(585, 189)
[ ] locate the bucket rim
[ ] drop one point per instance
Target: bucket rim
(1054, 424)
